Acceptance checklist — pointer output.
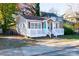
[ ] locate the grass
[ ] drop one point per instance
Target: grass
(5, 43)
(74, 37)
(12, 44)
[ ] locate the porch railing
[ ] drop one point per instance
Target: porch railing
(36, 32)
(59, 31)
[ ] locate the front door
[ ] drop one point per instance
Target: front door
(49, 28)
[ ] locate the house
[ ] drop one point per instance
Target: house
(73, 19)
(34, 26)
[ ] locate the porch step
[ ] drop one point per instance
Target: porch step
(52, 36)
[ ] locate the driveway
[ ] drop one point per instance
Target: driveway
(46, 47)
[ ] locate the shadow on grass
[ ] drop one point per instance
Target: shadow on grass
(6, 43)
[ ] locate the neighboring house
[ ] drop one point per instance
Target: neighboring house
(34, 26)
(73, 19)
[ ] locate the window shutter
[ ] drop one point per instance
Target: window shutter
(42, 25)
(28, 24)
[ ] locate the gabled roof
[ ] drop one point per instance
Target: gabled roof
(44, 17)
(52, 16)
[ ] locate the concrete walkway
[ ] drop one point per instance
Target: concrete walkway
(46, 48)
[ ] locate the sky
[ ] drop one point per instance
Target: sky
(59, 7)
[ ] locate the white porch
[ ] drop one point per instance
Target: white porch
(36, 32)
(44, 32)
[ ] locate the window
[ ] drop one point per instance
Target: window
(34, 25)
(39, 25)
(59, 25)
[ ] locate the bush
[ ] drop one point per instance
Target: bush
(68, 31)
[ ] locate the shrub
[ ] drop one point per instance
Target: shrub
(68, 31)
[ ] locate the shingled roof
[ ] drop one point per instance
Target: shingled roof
(33, 17)
(47, 14)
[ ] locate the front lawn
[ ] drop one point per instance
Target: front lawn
(13, 42)
(4, 43)
(74, 37)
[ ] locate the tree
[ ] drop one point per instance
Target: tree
(7, 9)
(0, 19)
(72, 8)
(37, 7)
(29, 8)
